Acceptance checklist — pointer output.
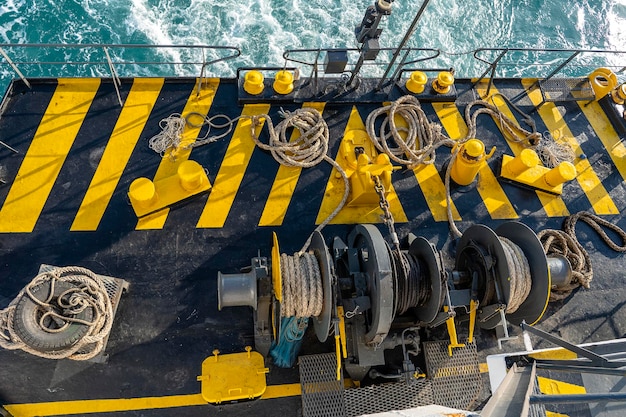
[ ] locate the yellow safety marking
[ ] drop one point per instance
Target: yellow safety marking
(129, 404)
(47, 152)
(607, 134)
(553, 205)
(553, 414)
(483, 368)
(232, 169)
(494, 198)
(128, 128)
(558, 353)
(587, 178)
(196, 103)
(553, 387)
(335, 189)
(284, 185)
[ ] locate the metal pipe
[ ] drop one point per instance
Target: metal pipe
(578, 398)
(407, 35)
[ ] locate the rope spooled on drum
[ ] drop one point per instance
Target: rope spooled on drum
(87, 291)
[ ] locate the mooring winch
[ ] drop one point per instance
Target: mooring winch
(376, 297)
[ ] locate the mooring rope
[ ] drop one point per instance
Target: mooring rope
(519, 274)
(88, 291)
(421, 138)
(565, 242)
(303, 294)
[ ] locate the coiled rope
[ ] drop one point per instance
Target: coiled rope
(421, 138)
(302, 286)
(88, 292)
(565, 242)
(519, 274)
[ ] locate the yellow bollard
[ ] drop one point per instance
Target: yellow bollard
(444, 82)
(565, 171)
(253, 82)
(469, 160)
(190, 175)
(283, 82)
(142, 193)
(619, 94)
(417, 82)
(525, 160)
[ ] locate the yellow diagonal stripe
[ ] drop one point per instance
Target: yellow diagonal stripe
(133, 117)
(284, 185)
(586, 176)
(47, 152)
(494, 198)
(232, 170)
(601, 124)
(553, 205)
(196, 103)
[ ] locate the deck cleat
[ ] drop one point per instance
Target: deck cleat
(147, 196)
(444, 82)
(470, 159)
(253, 82)
(525, 169)
(283, 82)
(416, 82)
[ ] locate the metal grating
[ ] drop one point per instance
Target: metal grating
(566, 89)
(456, 380)
(536, 410)
(322, 394)
(387, 397)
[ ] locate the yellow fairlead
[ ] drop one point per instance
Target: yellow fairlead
(253, 82)
(417, 82)
(602, 80)
(283, 82)
(443, 83)
(469, 161)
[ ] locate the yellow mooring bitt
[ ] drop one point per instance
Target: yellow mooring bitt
(525, 169)
(147, 196)
(470, 159)
(232, 377)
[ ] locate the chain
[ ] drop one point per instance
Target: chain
(384, 206)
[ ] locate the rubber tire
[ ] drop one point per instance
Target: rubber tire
(26, 323)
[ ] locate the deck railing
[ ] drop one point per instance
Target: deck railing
(112, 60)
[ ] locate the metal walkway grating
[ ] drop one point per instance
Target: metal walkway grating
(456, 380)
(386, 397)
(322, 394)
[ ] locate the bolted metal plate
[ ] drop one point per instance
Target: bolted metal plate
(456, 380)
(387, 397)
(322, 393)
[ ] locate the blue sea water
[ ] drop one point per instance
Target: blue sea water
(264, 28)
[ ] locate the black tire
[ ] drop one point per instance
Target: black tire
(28, 314)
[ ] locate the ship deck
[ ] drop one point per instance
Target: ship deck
(64, 202)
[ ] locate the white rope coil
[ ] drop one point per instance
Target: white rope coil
(421, 137)
(87, 291)
(303, 295)
(519, 274)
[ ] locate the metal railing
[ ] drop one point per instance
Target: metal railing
(40, 60)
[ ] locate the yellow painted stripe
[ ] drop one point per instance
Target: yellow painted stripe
(494, 198)
(128, 128)
(553, 387)
(47, 152)
(284, 185)
(607, 134)
(232, 170)
(129, 404)
(196, 103)
(553, 205)
(587, 178)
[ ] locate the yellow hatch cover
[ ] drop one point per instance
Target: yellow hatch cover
(232, 377)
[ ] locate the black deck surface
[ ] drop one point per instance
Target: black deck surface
(168, 322)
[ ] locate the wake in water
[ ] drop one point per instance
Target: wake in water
(263, 29)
